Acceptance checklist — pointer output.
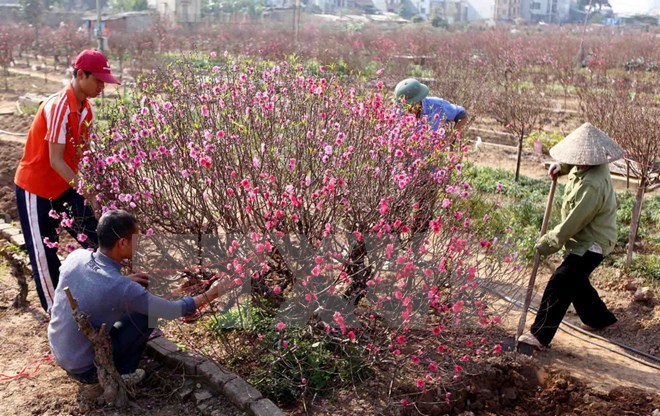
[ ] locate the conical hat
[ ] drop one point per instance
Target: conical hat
(586, 145)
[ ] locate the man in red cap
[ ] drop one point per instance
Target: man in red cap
(47, 176)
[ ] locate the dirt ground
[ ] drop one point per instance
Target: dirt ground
(47, 390)
(577, 377)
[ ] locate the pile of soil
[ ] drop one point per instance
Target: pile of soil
(16, 123)
(10, 155)
(507, 385)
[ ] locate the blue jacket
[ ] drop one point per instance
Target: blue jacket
(106, 296)
(445, 111)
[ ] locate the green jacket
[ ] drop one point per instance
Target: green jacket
(588, 214)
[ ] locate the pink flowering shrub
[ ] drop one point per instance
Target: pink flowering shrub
(321, 197)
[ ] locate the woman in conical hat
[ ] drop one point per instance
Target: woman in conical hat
(587, 233)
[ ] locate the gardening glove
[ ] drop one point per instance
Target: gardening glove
(554, 170)
(546, 246)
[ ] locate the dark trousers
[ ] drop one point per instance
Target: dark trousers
(570, 284)
(37, 225)
(129, 339)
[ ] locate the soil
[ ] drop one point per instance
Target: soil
(46, 389)
(10, 154)
(574, 377)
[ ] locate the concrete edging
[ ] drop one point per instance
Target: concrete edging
(240, 393)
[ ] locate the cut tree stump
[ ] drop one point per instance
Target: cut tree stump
(114, 390)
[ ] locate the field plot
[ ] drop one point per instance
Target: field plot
(370, 254)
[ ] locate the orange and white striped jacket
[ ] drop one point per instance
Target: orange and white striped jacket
(57, 121)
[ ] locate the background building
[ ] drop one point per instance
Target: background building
(508, 10)
(549, 11)
(178, 11)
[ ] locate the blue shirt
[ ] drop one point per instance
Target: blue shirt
(446, 111)
(105, 296)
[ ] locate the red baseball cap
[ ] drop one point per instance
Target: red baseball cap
(92, 60)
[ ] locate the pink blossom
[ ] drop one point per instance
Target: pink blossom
(205, 161)
(280, 326)
(458, 307)
(383, 207)
(82, 237)
(50, 244)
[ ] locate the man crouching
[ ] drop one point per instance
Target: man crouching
(107, 296)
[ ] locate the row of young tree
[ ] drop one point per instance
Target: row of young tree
(512, 78)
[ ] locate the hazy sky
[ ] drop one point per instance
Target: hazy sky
(633, 6)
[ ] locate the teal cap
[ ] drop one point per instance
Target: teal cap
(411, 90)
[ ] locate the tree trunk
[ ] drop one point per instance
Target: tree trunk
(519, 158)
(36, 36)
(114, 389)
(634, 222)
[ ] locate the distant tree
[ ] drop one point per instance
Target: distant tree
(583, 4)
(8, 41)
(407, 9)
(129, 5)
(70, 42)
(120, 45)
(516, 102)
(633, 120)
(25, 36)
(91, 4)
(32, 11)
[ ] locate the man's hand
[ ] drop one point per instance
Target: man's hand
(217, 289)
(554, 170)
(140, 278)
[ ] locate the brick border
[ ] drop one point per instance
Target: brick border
(240, 393)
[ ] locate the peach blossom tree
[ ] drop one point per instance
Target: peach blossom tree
(349, 222)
